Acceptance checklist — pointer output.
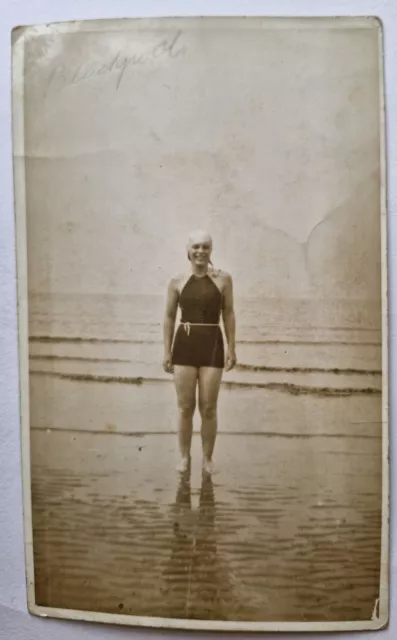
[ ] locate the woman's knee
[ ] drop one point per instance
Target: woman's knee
(208, 410)
(186, 409)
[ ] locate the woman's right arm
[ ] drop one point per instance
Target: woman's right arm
(171, 308)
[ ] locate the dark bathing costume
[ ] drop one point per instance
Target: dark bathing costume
(198, 340)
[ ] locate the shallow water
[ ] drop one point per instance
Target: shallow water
(289, 528)
(275, 333)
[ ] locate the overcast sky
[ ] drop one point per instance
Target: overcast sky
(258, 134)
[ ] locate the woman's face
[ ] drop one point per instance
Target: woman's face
(200, 251)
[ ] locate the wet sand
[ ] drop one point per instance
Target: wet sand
(288, 530)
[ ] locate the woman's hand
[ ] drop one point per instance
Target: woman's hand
(231, 359)
(167, 363)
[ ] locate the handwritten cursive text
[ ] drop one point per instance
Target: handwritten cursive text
(62, 75)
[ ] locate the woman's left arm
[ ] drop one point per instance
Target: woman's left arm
(229, 321)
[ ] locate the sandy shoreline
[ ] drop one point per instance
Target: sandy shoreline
(289, 528)
(151, 407)
(275, 536)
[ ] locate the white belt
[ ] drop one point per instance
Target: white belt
(187, 325)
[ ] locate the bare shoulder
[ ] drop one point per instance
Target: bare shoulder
(222, 279)
(223, 276)
(177, 282)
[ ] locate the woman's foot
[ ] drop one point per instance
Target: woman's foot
(208, 467)
(183, 465)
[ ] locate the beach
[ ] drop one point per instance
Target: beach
(289, 528)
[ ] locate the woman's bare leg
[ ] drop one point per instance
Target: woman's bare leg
(209, 384)
(185, 383)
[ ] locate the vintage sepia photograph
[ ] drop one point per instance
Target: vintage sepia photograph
(201, 249)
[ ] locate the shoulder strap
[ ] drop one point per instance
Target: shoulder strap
(183, 282)
(213, 274)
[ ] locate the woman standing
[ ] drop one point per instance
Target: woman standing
(196, 354)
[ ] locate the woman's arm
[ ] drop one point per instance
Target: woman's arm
(229, 322)
(171, 308)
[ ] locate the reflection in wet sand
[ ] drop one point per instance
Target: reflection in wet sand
(289, 531)
(196, 582)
